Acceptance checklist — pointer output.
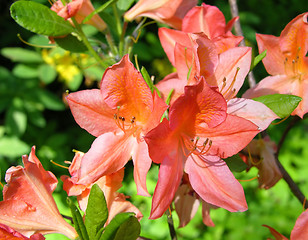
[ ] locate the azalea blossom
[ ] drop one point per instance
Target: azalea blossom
(9, 233)
(198, 134)
(116, 202)
(79, 9)
(170, 12)
(300, 230)
(194, 55)
(286, 62)
(119, 115)
(261, 154)
(28, 206)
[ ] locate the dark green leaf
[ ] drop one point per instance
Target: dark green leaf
(235, 163)
(49, 100)
(21, 55)
(281, 104)
(71, 43)
(47, 73)
(96, 212)
(129, 230)
(16, 118)
(39, 19)
(113, 226)
(78, 221)
(257, 59)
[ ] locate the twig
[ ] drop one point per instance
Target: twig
(171, 225)
(292, 185)
(239, 32)
(286, 131)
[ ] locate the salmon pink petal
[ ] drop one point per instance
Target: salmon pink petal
(300, 230)
(230, 137)
(253, 111)
(186, 204)
(186, 62)
(142, 164)
(199, 105)
(211, 178)
(166, 11)
(157, 140)
(227, 41)
(174, 83)
(169, 37)
(108, 154)
(7, 233)
(207, 220)
(293, 39)
(233, 67)
(159, 107)
(207, 19)
(170, 168)
(274, 60)
(123, 87)
(91, 112)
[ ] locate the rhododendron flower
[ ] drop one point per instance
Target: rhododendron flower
(9, 233)
(116, 202)
(199, 133)
(194, 55)
(119, 115)
(300, 230)
(286, 62)
(261, 154)
(79, 9)
(28, 205)
(170, 12)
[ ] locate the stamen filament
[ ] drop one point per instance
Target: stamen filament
(57, 164)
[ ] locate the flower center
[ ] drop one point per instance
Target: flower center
(123, 123)
(293, 66)
(193, 146)
(230, 92)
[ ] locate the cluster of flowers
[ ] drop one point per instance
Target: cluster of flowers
(204, 124)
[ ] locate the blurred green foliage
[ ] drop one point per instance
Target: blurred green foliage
(33, 112)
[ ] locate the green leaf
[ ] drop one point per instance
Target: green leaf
(235, 163)
(257, 59)
(47, 73)
(281, 104)
(74, 83)
(39, 19)
(25, 71)
(16, 54)
(13, 147)
(96, 212)
(124, 5)
(49, 100)
(112, 228)
(147, 78)
(71, 43)
(16, 118)
(129, 230)
(78, 221)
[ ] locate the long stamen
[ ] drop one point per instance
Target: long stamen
(231, 85)
(57, 164)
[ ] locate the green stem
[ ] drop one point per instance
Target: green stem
(87, 43)
(119, 28)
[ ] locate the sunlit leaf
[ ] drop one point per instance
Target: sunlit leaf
(235, 163)
(16, 54)
(39, 19)
(96, 212)
(281, 104)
